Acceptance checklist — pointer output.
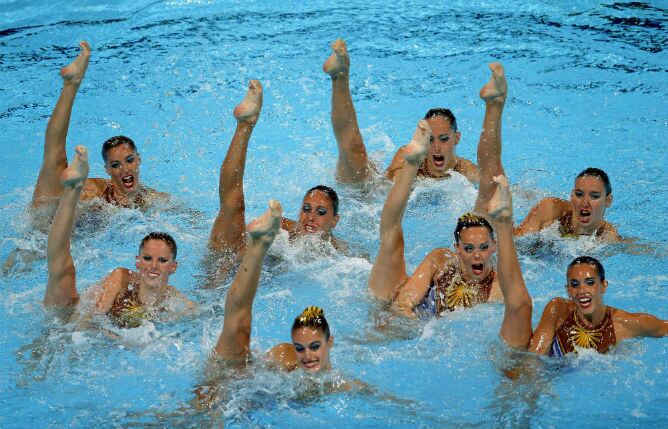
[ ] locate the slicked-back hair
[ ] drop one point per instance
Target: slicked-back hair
(116, 141)
(446, 113)
(160, 236)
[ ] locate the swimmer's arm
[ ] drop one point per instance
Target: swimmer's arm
(417, 286)
(111, 286)
(541, 341)
(396, 164)
(631, 325)
(468, 170)
(190, 307)
(283, 356)
(542, 215)
(157, 195)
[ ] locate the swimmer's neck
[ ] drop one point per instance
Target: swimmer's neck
(594, 319)
(152, 295)
(127, 199)
(442, 173)
(585, 230)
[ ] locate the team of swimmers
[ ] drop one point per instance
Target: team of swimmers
(444, 281)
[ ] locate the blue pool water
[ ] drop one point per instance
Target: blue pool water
(587, 88)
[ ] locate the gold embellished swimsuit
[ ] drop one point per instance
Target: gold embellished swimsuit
(449, 290)
(572, 334)
(566, 227)
(110, 195)
(127, 310)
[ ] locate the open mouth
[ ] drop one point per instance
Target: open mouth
(477, 269)
(439, 161)
(128, 181)
(310, 229)
(584, 216)
(584, 301)
(310, 365)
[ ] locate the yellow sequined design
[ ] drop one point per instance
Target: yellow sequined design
(132, 315)
(459, 294)
(579, 336)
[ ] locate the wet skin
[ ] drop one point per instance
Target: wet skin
(586, 289)
(589, 203)
(441, 151)
(475, 250)
(155, 263)
(122, 164)
(312, 348)
(317, 214)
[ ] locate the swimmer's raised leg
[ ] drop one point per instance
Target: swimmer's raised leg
(228, 230)
(353, 163)
(389, 268)
(61, 288)
(55, 158)
(516, 326)
(233, 343)
(489, 147)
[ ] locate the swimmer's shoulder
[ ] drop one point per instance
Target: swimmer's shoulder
(610, 232)
(153, 196)
(558, 309)
(283, 357)
(543, 214)
(396, 164)
(94, 188)
(439, 258)
(467, 169)
(290, 226)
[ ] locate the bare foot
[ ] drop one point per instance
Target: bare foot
(249, 108)
(75, 71)
(339, 61)
(76, 173)
(497, 88)
(266, 226)
(500, 206)
(416, 150)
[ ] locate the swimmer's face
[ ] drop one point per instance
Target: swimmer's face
(312, 348)
(585, 288)
(123, 166)
(441, 152)
(317, 213)
(589, 203)
(475, 250)
(155, 263)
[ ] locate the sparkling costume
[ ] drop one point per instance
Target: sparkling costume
(572, 334)
(449, 290)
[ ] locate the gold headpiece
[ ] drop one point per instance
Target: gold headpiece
(469, 217)
(311, 313)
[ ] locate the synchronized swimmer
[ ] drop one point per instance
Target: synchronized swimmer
(443, 281)
(119, 153)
